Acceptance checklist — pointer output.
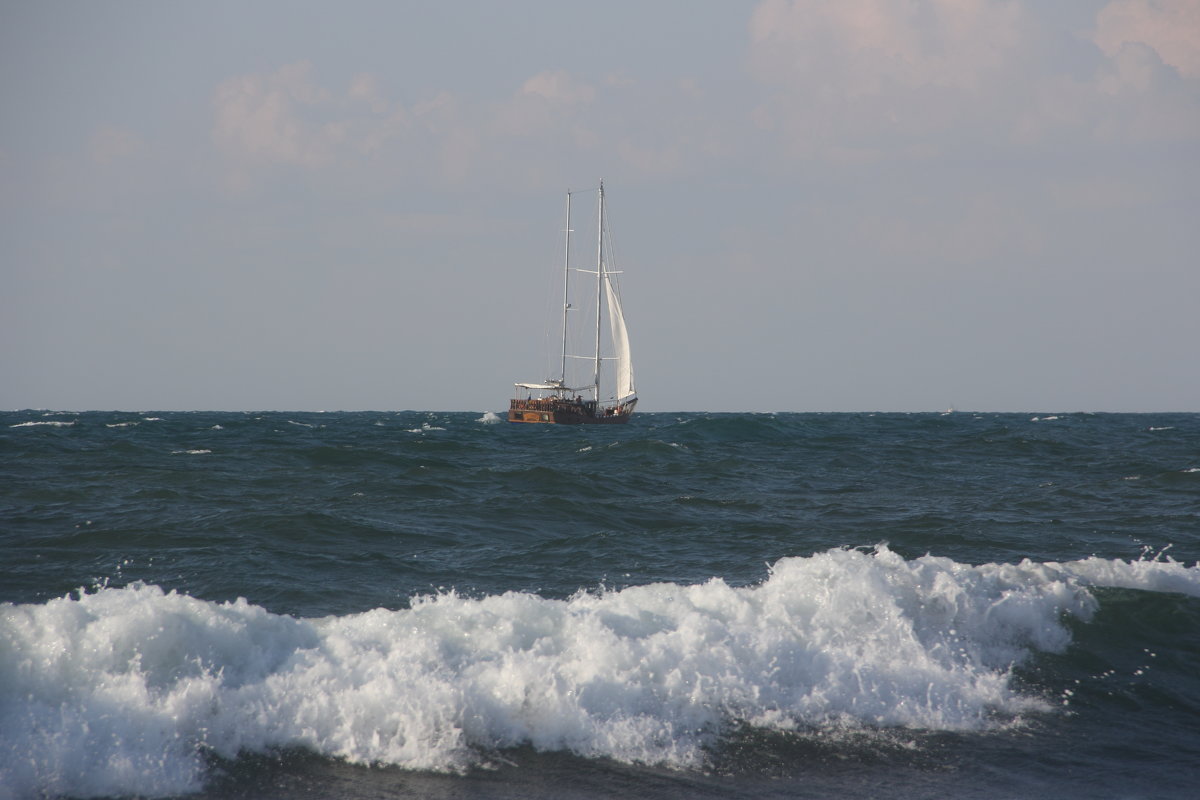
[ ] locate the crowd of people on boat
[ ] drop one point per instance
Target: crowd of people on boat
(572, 405)
(576, 404)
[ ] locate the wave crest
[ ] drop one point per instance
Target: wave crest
(125, 691)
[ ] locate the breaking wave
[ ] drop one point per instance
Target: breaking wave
(130, 690)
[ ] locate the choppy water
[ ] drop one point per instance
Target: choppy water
(360, 605)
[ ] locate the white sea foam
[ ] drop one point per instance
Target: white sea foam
(1157, 575)
(121, 424)
(191, 452)
(48, 423)
(425, 428)
(489, 418)
(122, 691)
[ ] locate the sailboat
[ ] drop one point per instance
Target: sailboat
(591, 388)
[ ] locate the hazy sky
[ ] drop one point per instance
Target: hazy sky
(817, 205)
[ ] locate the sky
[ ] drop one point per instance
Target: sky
(861, 205)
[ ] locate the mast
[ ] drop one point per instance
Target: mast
(566, 282)
(599, 287)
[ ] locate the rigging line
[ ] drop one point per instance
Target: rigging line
(611, 249)
(612, 257)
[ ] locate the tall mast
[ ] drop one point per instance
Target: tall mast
(566, 282)
(599, 287)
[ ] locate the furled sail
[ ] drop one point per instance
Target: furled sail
(620, 337)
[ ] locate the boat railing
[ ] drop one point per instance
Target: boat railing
(571, 405)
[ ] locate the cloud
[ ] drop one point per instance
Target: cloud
(285, 118)
(546, 105)
(551, 120)
(860, 80)
(1140, 91)
(259, 118)
(864, 80)
(365, 88)
(558, 87)
(1170, 27)
(865, 47)
(1140, 99)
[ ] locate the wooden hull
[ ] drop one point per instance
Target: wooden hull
(562, 412)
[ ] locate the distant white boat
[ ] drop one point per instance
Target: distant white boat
(609, 396)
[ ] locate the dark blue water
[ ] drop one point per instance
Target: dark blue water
(360, 605)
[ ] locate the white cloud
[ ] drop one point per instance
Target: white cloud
(287, 118)
(1133, 96)
(1170, 27)
(859, 80)
(869, 79)
(558, 86)
(259, 117)
(1139, 99)
(865, 47)
(365, 88)
(552, 119)
(546, 104)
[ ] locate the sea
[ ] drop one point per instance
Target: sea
(443, 605)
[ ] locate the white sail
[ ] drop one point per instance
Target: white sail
(620, 337)
(582, 394)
